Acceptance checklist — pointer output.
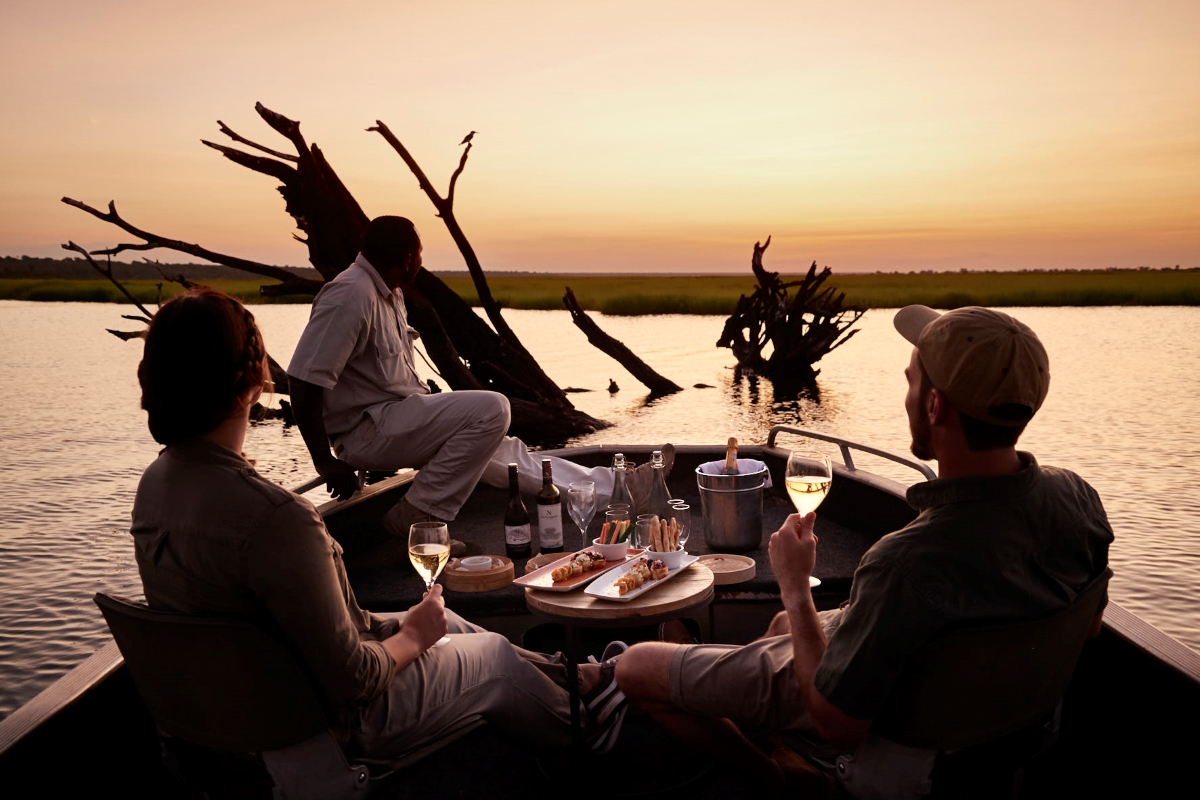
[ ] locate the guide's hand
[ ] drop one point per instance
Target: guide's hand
(340, 478)
(425, 622)
(793, 550)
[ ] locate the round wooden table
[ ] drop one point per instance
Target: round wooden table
(689, 590)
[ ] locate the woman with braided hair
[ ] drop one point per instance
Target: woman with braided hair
(213, 537)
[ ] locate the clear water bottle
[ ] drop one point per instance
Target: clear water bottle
(659, 500)
(620, 494)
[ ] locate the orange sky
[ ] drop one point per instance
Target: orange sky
(655, 136)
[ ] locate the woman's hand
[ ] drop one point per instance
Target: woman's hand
(425, 622)
(423, 625)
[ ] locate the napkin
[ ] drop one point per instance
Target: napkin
(746, 466)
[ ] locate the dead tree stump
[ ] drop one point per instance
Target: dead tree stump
(800, 327)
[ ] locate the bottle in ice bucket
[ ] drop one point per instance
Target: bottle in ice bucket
(659, 501)
(620, 493)
(517, 537)
(549, 508)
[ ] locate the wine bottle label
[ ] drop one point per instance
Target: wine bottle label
(550, 529)
(517, 535)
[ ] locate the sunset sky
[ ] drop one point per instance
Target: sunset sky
(627, 136)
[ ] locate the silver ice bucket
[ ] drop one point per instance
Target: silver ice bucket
(733, 509)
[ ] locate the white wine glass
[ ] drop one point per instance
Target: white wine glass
(581, 505)
(808, 477)
(429, 550)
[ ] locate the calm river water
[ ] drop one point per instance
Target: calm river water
(1123, 411)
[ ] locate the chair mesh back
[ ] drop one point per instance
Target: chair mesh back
(220, 682)
(976, 684)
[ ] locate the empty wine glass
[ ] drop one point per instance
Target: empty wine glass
(809, 474)
(581, 505)
(429, 550)
(682, 514)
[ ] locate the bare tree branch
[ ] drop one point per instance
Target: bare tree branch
(266, 166)
(657, 384)
(225, 129)
(288, 128)
(108, 273)
(446, 212)
(462, 163)
(153, 241)
(182, 281)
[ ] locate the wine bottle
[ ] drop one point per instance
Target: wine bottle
(517, 537)
(620, 493)
(659, 500)
(550, 528)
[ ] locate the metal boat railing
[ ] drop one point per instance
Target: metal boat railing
(845, 445)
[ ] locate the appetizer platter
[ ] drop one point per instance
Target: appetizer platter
(636, 578)
(572, 571)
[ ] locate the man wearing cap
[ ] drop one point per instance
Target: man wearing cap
(997, 536)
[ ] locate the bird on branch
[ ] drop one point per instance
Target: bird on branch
(467, 138)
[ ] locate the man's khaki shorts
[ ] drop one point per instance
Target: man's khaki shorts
(754, 684)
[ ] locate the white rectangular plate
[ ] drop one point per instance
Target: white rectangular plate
(606, 589)
(540, 578)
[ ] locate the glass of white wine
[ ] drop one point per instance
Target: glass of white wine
(809, 473)
(429, 550)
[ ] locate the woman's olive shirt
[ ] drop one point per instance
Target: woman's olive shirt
(214, 537)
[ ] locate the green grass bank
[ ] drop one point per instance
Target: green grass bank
(637, 295)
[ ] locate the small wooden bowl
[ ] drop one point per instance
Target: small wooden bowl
(541, 560)
(458, 579)
(728, 568)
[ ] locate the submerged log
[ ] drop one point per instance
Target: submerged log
(801, 327)
(657, 384)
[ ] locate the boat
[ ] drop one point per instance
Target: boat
(1126, 718)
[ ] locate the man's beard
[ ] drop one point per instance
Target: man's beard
(921, 440)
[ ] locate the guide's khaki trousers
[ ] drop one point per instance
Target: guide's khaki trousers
(454, 439)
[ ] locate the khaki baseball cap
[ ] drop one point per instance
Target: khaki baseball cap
(989, 365)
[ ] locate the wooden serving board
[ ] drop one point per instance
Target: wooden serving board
(485, 580)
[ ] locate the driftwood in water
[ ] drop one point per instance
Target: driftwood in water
(657, 384)
(801, 327)
(467, 353)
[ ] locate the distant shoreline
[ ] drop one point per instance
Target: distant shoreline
(681, 294)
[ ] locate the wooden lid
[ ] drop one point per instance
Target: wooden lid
(729, 568)
(458, 579)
